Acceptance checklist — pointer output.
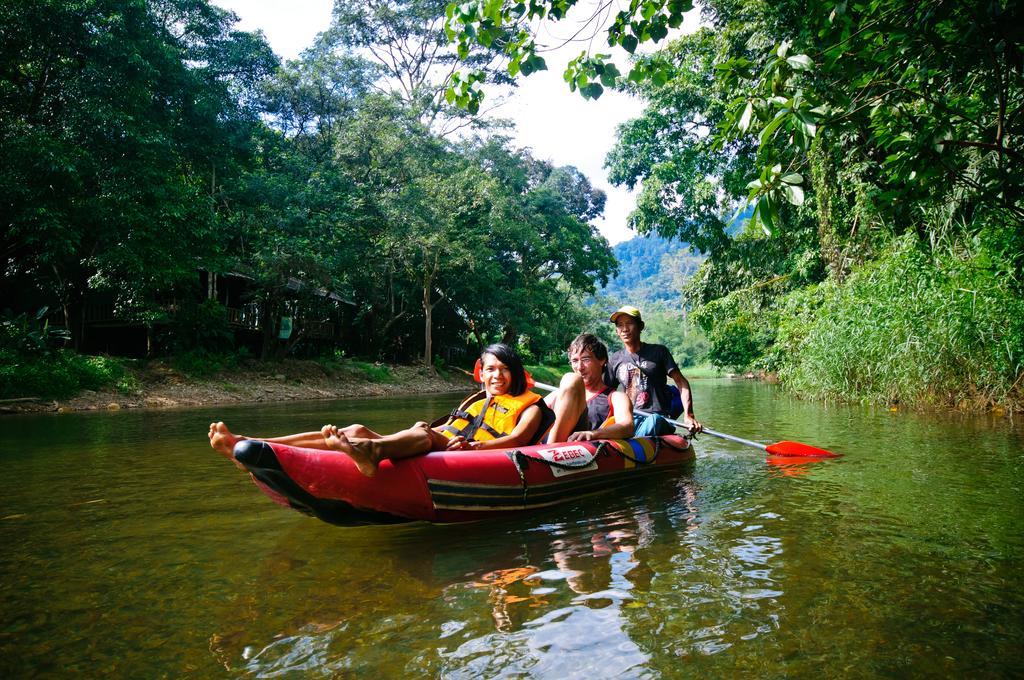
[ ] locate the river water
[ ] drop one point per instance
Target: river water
(130, 549)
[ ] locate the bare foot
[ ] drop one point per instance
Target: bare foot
(221, 439)
(361, 452)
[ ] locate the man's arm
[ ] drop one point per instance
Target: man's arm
(687, 398)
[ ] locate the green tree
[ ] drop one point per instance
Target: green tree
(119, 120)
(688, 188)
(439, 229)
(928, 92)
(914, 98)
(405, 42)
(512, 27)
(309, 98)
(546, 249)
(282, 230)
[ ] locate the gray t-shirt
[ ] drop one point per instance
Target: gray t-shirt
(644, 376)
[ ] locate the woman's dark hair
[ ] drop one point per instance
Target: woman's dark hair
(508, 356)
(589, 341)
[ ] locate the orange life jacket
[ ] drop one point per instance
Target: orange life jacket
(483, 418)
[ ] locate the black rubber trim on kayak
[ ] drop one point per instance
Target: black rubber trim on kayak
(452, 496)
(261, 461)
(514, 456)
(505, 494)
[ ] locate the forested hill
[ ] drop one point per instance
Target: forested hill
(651, 269)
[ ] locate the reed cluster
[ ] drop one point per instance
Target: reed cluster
(919, 326)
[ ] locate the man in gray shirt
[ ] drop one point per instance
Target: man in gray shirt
(642, 371)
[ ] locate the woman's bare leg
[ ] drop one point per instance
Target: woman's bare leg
(368, 453)
(223, 441)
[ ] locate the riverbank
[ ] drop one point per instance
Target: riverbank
(157, 384)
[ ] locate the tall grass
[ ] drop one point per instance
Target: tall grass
(912, 327)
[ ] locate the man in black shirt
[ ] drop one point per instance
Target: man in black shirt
(642, 371)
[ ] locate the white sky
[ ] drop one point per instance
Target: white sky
(556, 124)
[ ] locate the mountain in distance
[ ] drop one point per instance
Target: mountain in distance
(652, 269)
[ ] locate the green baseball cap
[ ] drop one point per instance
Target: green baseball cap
(628, 310)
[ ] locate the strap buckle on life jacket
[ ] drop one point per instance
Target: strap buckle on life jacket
(474, 425)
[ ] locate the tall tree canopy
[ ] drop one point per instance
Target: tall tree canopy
(404, 42)
(119, 120)
(856, 132)
(147, 144)
(931, 93)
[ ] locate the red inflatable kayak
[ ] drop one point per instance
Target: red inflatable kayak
(454, 486)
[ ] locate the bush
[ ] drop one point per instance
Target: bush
(28, 335)
(202, 363)
(337, 362)
(442, 368)
(377, 373)
(911, 328)
(59, 374)
(740, 329)
(737, 344)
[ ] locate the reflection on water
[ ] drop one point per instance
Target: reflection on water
(131, 550)
(558, 597)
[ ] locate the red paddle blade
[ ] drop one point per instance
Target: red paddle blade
(798, 450)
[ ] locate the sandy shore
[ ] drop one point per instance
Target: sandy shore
(160, 386)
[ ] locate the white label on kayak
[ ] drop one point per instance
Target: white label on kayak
(576, 456)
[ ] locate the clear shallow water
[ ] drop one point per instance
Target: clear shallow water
(130, 549)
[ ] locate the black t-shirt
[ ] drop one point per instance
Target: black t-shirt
(644, 376)
(599, 407)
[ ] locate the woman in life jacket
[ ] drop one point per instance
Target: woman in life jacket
(504, 414)
(586, 408)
